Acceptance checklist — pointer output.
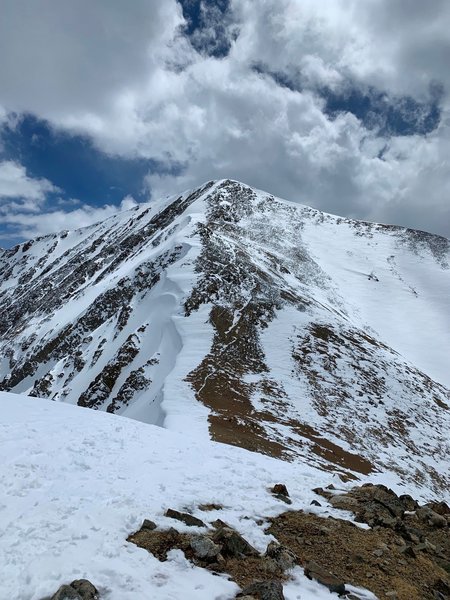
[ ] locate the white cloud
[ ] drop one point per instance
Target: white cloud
(16, 184)
(126, 78)
(28, 225)
(25, 209)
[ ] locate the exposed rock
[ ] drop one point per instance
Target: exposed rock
(218, 523)
(379, 559)
(441, 508)
(210, 506)
(263, 590)
(185, 518)
(431, 517)
(344, 502)
(408, 551)
(66, 592)
(321, 492)
(442, 587)
(80, 589)
(280, 488)
(159, 542)
(315, 571)
(204, 547)
(85, 589)
(426, 546)
(233, 544)
(147, 524)
(280, 491)
(283, 557)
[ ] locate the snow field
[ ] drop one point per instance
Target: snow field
(77, 482)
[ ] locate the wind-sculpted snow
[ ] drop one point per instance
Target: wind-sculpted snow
(264, 324)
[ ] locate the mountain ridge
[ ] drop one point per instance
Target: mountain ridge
(257, 321)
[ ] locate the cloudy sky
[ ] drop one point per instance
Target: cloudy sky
(339, 104)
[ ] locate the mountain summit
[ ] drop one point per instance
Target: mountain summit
(226, 312)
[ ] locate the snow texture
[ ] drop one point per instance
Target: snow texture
(77, 483)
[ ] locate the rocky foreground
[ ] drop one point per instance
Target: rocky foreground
(393, 547)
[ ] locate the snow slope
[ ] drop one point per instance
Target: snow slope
(235, 315)
(76, 484)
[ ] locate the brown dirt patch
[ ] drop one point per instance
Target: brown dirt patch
(333, 453)
(244, 570)
(366, 558)
(219, 385)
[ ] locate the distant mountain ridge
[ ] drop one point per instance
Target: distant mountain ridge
(265, 324)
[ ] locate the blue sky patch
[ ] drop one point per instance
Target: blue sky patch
(208, 26)
(73, 164)
(390, 116)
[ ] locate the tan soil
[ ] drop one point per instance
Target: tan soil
(347, 551)
(243, 571)
(218, 382)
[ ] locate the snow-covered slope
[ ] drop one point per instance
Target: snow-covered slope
(75, 485)
(232, 314)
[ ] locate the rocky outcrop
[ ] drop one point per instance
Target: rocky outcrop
(262, 590)
(80, 589)
(185, 518)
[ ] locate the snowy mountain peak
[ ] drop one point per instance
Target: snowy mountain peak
(229, 313)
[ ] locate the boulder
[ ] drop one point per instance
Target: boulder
(280, 491)
(85, 589)
(344, 502)
(282, 556)
(426, 546)
(315, 571)
(204, 548)
(263, 590)
(185, 518)
(427, 515)
(149, 525)
(80, 589)
(441, 508)
(66, 592)
(280, 488)
(232, 543)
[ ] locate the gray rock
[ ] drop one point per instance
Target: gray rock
(413, 535)
(344, 502)
(66, 592)
(185, 518)
(280, 491)
(85, 589)
(263, 590)
(431, 517)
(315, 571)
(408, 502)
(283, 557)
(204, 547)
(233, 544)
(408, 551)
(149, 525)
(441, 508)
(80, 589)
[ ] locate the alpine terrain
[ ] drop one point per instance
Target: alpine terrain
(313, 348)
(238, 316)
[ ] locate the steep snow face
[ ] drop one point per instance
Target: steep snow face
(233, 314)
